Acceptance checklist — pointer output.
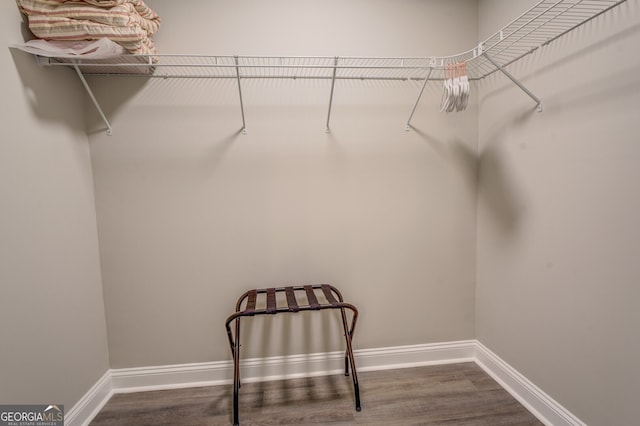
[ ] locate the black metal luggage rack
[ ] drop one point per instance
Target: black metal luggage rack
(334, 300)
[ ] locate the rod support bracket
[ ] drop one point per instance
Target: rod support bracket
(333, 86)
(87, 88)
(237, 66)
(515, 81)
(415, 105)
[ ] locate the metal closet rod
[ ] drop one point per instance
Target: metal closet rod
(339, 66)
(272, 77)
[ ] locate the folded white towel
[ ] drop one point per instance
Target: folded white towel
(86, 49)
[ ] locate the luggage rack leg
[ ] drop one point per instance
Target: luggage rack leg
(236, 373)
(349, 355)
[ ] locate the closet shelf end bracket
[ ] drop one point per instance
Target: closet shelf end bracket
(432, 63)
(244, 124)
(515, 81)
(333, 86)
(93, 98)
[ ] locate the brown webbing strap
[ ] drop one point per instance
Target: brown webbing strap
(311, 297)
(329, 295)
(291, 299)
(251, 302)
(271, 301)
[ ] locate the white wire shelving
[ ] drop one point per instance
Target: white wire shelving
(542, 24)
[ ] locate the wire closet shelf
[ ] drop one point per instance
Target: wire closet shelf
(537, 27)
(540, 25)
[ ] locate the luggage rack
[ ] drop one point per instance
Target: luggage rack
(327, 292)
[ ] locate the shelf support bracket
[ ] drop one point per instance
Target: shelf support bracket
(93, 98)
(244, 126)
(407, 126)
(516, 82)
(333, 85)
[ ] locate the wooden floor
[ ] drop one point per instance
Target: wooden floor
(455, 394)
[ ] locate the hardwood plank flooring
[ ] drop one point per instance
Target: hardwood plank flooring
(454, 394)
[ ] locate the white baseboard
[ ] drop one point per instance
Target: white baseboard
(127, 380)
(143, 379)
(541, 405)
(415, 355)
(91, 403)
(287, 367)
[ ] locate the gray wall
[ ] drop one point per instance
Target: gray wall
(191, 214)
(559, 216)
(52, 325)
